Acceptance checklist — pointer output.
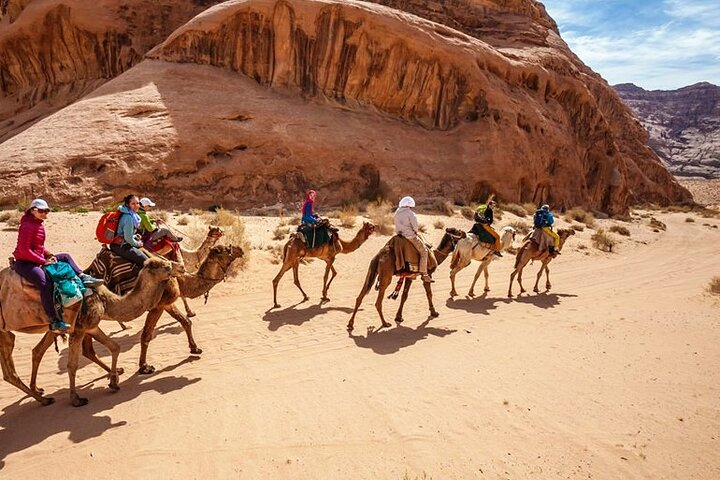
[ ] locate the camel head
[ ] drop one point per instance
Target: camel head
(450, 239)
(160, 269)
(215, 232)
(564, 234)
(367, 229)
(225, 254)
(511, 229)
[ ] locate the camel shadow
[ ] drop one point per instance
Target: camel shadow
(386, 341)
(292, 316)
(541, 300)
(481, 304)
(25, 424)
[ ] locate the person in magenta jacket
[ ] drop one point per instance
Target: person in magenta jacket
(31, 255)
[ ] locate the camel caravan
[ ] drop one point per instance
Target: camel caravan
(142, 269)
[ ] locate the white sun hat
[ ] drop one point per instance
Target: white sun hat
(40, 204)
(146, 202)
(407, 202)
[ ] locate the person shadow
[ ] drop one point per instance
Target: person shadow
(297, 317)
(25, 424)
(481, 304)
(385, 341)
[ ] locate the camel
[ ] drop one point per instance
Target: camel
(529, 251)
(295, 250)
(469, 249)
(17, 307)
(382, 267)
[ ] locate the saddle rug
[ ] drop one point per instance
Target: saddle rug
(314, 237)
(120, 275)
(540, 238)
(407, 258)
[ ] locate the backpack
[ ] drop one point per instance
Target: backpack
(539, 219)
(107, 227)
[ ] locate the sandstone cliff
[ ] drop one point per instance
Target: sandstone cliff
(55, 52)
(684, 126)
(254, 101)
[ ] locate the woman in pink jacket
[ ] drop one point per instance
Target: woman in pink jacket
(31, 255)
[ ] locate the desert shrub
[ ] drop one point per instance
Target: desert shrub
(380, 214)
(515, 209)
(439, 225)
(578, 227)
(348, 216)
(280, 232)
(620, 230)
(4, 216)
(530, 208)
(714, 286)
(235, 235)
(422, 228)
(689, 220)
(294, 220)
(183, 220)
(581, 246)
(623, 217)
(23, 204)
(196, 212)
(708, 213)
(79, 210)
(438, 206)
(225, 218)
(467, 212)
(11, 218)
(680, 208)
(276, 251)
(603, 241)
(657, 224)
(161, 215)
(580, 215)
(520, 227)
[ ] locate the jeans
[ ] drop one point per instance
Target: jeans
(35, 274)
(129, 253)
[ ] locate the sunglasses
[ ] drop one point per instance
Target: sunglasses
(43, 210)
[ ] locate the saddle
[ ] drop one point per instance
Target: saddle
(120, 275)
(482, 234)
(163, 246)
(317, 235)
(540, 238)
(407, 258)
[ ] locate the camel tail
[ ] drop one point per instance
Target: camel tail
(371, 275)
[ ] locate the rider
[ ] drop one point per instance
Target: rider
(406, 225)
(129, 247)
(149, 227)
(308, 209)
(544, 219)
(484, 219)
(31, 256)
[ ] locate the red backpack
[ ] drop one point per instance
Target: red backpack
(107, 227)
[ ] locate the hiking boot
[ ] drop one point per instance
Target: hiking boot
(427, 279)
(497, 253)
(89, 281)
(59, 325)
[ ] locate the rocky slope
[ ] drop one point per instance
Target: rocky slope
(684, 126)
(55, 52)
(254, 101)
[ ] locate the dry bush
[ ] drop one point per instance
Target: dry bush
(468, 212)
(581, 246)
(515, 209)
(184, 220)
(161, 215)
(580, 215)
(235, 236)
(422, 228)
(196, 212)
(4, 216)
(294, 220)
(578, 227)
(280, 232)
(441, 206)
(277, 253)
(439, 225)
(530, 208)
(657, 224)
(620, 230)
(348, 217)
(603, 241)
(689, 220)
(706, 212)
(225, 218)
(680, 208)
(380, 214)
(714, 286)
(520, 227)
(623, 217)
(11, 218)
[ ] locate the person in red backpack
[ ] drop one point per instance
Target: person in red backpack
(128, 246)
(31, 255)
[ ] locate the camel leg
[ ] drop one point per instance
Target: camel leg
(454, 272)
(72, 366)
(482, 267)
(37, 354)
(296, 280)
(150, 321)
(88, 351)
(332, 277)
(536, 289)
(285, 267)
(403, 298)
(187, 325)
(7, 344)
(547, 276)
(428, 294)
(113, 347)
(384, 284)
(188, 310)
(358, 301)
(487, 276)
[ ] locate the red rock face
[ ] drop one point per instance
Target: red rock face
(458, 101)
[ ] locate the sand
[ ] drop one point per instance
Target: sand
(614, 373)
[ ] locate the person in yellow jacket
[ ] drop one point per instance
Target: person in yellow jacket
(544, 219)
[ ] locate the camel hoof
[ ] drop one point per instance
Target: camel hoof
(510, 295)
(195, 350)
(114, 385)
(120, 371)
(79, 401)
(453, 294)
(385, 325)
(324, 300)
(349, 328)
(45, 401)
(277, 305)
(434, 314)
(191, 314)
(37, 390)
(471, 294)
(146, 370)
(399, 320)
(306, 298)
(536, 290)
(486, 290)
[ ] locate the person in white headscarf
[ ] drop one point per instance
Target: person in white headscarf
(406, 225)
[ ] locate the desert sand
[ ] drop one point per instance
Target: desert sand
(612, 374)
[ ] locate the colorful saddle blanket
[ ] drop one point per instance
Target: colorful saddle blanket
(119, 274)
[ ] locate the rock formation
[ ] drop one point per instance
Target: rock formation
(254, 101)
(684, 126)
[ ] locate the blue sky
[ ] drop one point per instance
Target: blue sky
(655, 44)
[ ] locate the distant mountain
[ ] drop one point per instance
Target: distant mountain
(684, 125)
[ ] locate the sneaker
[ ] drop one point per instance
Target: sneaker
(497, 253)
(59, 325)
(89, 281)
(427, 279)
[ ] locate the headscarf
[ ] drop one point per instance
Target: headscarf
(406, 202)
